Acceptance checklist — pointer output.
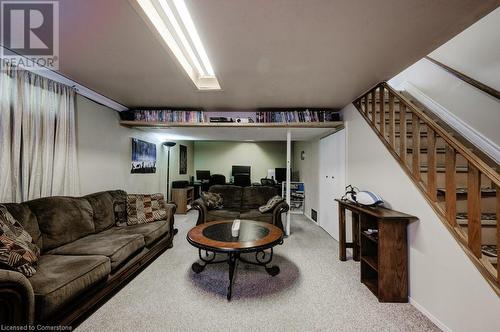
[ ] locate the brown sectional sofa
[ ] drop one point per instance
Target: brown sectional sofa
(241, 203)
(85, 257)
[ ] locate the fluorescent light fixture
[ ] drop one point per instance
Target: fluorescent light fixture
(175, 27)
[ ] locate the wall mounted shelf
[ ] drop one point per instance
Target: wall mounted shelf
(149, 124)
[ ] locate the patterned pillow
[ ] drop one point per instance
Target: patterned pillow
(212, 200)
(159, 207)
(271, 203)
(142, 209)
(17, 252)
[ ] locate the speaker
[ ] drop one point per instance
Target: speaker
(179, 184)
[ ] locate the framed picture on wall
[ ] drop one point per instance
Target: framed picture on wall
(183, 159)
(143, 157)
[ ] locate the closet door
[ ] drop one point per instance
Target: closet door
(332, 175)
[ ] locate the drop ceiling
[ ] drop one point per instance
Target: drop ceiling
(279, 53)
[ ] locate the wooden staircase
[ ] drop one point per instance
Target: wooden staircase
(458, 180)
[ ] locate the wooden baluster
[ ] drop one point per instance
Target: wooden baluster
(497, 189)
(402, 132)
(431, 164)
(450, 186)
(415, 138)
(381, 91)
(474, 210)
(366, 104)
(391, 120)
(373, 108)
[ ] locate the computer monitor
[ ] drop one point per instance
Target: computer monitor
(280, 174)
(203, 175)
(240, 170)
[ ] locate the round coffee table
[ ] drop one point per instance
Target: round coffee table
(215, 238)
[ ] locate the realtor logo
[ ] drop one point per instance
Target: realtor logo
(30, 33)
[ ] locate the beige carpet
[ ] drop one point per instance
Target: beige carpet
(313, 292)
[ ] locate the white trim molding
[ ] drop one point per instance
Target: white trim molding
(431, 317)
(479, 140)
(79, 88)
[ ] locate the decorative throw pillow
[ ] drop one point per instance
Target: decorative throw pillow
(159, 207)
(17, 252)
(119, 206)
(212, 200)
(142, 209)
(271, 203)
(139, 209)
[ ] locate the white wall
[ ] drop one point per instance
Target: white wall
(477, 109)
(443, 281)
(219, 157)
(104, 153)
(308, 172)
(475, 52)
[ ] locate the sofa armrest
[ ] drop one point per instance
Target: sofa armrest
(171, 208)
(202, 209)
(280, 208)
(17, 299)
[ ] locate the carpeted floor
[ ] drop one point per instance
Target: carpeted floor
(313, 292)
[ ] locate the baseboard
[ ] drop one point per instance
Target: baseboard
(479, 140)
(431, 317)
(309, 217)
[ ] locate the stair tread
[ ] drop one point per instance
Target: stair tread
(442, 168)
(487, 219)
(484, 191)
(424, 150)
(490, 251)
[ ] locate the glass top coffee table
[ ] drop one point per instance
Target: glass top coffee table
(215, 238)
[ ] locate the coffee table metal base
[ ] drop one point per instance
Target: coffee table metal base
(262, 258)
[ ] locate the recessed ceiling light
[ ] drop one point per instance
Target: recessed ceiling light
(173, 23)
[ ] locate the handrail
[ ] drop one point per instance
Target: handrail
(467, 153)
(374, 106)
(467, 79)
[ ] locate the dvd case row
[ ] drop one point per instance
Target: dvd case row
(297, 116)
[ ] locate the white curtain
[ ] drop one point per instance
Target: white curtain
(37, 137)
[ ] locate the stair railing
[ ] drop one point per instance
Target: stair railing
(379, 106)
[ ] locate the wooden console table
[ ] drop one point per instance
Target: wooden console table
(383, 254)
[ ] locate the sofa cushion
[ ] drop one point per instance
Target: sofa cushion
(62, 219)
(27, 219)
(17, 252)
(253, 197)
(60, 279)
(223, 214)
(110, 243)
(256, 215)
(119, 206)
(231, 195)
(102, 204)
(151, 232)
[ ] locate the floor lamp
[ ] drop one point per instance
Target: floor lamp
(168, 145)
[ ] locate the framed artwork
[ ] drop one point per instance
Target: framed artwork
(183, 159)
(143, 157)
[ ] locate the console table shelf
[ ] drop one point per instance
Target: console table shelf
(383, 253)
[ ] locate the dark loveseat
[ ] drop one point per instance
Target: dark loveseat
(241, 203)
(84, 257)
